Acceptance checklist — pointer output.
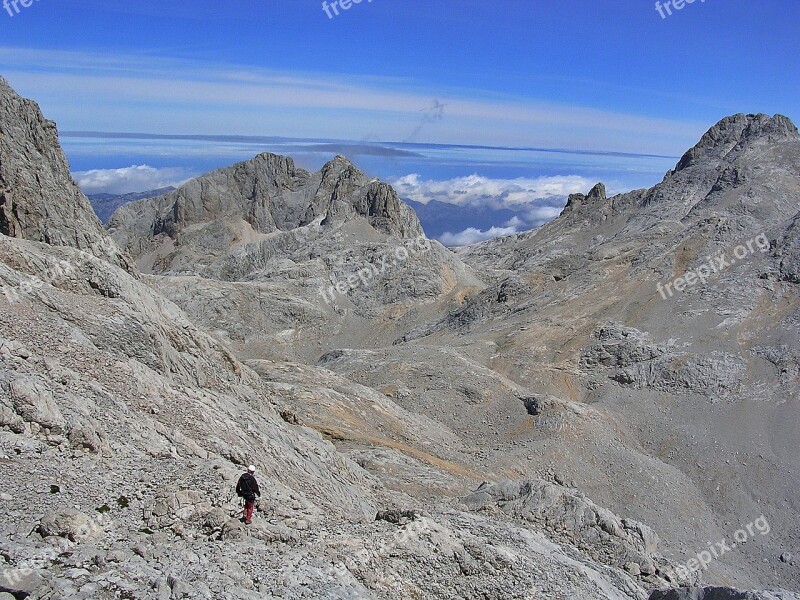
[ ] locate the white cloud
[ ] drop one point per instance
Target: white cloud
(475, 190)
(515, 221)
(472, 235)
(136, 178)
(539, 215)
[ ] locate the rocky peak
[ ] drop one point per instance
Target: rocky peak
(266, 195)
(39, 201)
(737, 132)
(596, 195)
(339, 178)
(281, 169)
(339, 164)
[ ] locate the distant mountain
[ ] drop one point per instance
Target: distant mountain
(207, 218)
(104, 205)
(274, 235)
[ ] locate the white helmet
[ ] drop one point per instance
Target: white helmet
(251, 469)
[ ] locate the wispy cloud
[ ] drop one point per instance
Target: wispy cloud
(136, 178)
(170, 95)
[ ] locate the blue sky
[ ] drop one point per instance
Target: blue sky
(609, 75)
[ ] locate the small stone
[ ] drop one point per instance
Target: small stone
(786, 557)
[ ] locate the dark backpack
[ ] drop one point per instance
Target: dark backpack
(246, 487)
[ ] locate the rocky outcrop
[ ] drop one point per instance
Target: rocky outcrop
(574, 519)
(591, 201)
(39, 201)
(732, 134)
(632, 359)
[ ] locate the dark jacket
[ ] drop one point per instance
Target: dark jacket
(247, 487)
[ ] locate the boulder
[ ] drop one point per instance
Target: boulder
(73, 525)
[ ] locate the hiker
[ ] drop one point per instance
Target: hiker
(247, 488)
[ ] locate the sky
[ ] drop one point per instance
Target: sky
(616, 76)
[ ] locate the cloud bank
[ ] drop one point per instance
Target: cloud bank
(473, 235)
(534, 201)
(476, 190)
(136, 178)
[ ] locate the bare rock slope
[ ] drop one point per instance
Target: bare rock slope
(124, 425)
(641, 348)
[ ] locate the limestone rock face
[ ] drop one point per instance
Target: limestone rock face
(39, 201)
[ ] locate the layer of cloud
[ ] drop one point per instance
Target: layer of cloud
(475, 190)
(473, 235)
(537, 215)
(136, 178)
(533, 201)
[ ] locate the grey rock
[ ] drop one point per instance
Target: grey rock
(39, 201)
(34, 403)
(576, 519)
(20, 582)
(719, 593)
(634, 360)
(73, 525)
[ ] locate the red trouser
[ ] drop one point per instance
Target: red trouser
(249, 507)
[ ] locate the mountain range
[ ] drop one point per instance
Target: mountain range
(582, 411)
